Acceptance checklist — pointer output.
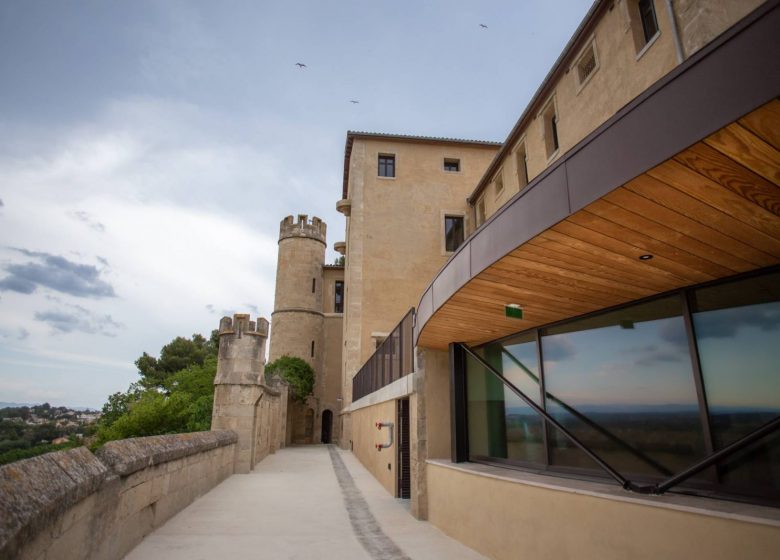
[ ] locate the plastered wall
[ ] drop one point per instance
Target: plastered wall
(520, 521)
(365, 436)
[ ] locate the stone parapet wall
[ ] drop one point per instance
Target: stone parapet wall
(79, 505)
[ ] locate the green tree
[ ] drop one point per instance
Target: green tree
(119, 404)
(182, 404)
(297, 372)
(175, 356)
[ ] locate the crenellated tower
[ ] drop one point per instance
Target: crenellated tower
(243, 401)
(298, 320)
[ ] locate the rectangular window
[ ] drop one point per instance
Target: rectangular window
(386, 165)
(338, 302)
(648, 19)
(498, 182)
(313, 285)
(586, 65)
(452, 165)
(481, 212)
(550, 118)
(453, 232)
(521, 161)
(312, 348)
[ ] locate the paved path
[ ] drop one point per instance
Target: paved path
(307, 503)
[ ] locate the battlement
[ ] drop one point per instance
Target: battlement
(314, 229)
(240, 325)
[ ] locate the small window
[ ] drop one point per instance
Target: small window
(313, 285)
(453, 232)
(312, 348)
(551, 129)
(338, 302)
(521, 161)
(481, 212)
(386, 165)
(452, 165)
(586, 65)
(648, 19)
(498, 182)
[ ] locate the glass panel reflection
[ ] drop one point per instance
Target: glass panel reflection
(501, 424)
(737, 329)
(622, 383)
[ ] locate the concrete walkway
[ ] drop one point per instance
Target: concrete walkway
(313, 502)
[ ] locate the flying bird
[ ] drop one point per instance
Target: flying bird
(483, 26)
(354, 101)
(300, 65)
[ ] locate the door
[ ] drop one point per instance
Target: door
(404, 469)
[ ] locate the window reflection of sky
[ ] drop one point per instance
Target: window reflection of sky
(639, 365)
(739, 351)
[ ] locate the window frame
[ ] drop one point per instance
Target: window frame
(589, 48)
(451, 161)
(550, 130)
(521, 148)
(498, 183)
(336, 293)
(385, 158)
(452, 215)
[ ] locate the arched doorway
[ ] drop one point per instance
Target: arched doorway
(327, 426)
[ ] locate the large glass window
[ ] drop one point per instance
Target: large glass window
(626, 384)
(501, 424)
(622, 382)
(737, 329)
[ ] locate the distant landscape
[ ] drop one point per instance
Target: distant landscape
(29, 430)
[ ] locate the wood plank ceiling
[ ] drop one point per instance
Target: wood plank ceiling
(710, 212)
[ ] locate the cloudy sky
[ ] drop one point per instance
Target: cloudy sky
(149, 149)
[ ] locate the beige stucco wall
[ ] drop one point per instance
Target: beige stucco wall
(395, 233)
(619, 78)
(623, 73)
(365, 436)
(700, 22)
(509, 520)
(437, 403)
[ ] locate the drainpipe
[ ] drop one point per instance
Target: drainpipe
(675, 32)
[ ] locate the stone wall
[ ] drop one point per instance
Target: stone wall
(79, 505)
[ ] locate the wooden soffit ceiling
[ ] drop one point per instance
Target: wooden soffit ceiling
(710, 212)
(689, 172)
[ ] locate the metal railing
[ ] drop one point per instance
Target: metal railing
(391, 361)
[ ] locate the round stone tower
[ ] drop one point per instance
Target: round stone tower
(297, 323)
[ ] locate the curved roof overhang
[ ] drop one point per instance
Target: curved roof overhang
(688, 172)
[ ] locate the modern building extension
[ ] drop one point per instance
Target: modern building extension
(567, 345)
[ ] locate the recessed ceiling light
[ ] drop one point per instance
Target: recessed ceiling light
(645, 257)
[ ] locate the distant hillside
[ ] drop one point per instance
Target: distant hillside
(13, 404)
(17, 405)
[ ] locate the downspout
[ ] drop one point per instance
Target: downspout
(675, 33)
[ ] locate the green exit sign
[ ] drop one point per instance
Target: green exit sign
(513, 311)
